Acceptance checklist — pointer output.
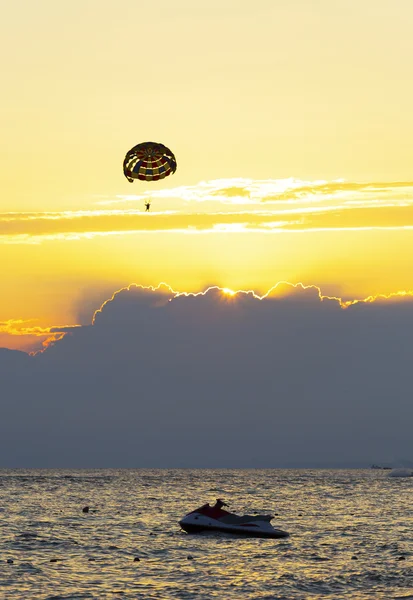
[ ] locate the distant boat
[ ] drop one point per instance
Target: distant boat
(401, 473)
(380, 467)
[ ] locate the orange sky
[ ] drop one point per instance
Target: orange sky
(291, 123)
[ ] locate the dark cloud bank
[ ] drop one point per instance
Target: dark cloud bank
(215, 381)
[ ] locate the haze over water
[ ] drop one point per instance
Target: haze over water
(350, 535)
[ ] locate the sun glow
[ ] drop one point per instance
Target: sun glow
(164, 293)
(228, 292)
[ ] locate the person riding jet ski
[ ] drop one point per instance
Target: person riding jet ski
(216, 511)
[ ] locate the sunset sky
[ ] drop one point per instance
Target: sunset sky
(291, 122)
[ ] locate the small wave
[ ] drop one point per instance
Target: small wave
(28, 567)
(318, 558)
(70, 597)
(27, 535)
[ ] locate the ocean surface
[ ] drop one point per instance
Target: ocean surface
(351, 535)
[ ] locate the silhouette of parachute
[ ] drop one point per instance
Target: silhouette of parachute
(149, 161)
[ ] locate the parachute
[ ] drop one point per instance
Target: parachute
(149, 161)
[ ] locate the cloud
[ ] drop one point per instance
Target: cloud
(283, 191)
(228, 206)
(218, 378)
(18, 328)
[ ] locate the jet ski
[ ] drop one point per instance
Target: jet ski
(215, 518)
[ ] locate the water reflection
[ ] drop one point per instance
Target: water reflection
(348, 531)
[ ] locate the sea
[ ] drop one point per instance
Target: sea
(351, 535)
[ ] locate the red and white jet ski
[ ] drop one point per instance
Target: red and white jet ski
(214, 518)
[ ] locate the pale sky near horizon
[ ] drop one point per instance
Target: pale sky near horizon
(256, 100)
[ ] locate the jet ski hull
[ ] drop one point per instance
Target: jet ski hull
(257, 529)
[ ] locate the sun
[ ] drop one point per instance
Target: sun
(228, 292)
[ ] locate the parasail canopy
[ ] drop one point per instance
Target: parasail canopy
(149, 161)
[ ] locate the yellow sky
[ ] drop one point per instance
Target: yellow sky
(279, 113)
